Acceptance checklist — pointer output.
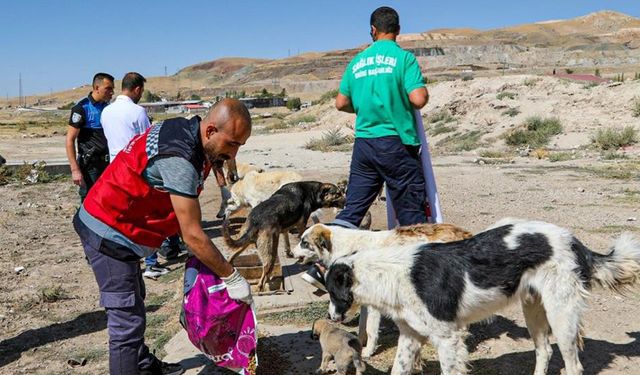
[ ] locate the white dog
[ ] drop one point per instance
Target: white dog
(435, 290)
(323, 243)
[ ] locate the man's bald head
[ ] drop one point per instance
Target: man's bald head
(226, 111)
(226, 127)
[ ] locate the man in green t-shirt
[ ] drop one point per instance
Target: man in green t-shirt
(383, 86)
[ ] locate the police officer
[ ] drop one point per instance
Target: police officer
(92, 156)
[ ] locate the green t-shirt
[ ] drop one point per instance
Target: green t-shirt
(378, 82)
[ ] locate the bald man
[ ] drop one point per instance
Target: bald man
(148, 193)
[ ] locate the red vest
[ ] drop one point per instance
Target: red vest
(123, 200)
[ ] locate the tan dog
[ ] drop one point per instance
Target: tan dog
(325, 243)
(338, 344)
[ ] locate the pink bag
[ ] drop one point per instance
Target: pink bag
(222, 328)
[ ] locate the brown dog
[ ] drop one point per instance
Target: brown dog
(338, 344)
(289, 206)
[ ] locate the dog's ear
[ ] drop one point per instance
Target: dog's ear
(339, 280)
(323, 239)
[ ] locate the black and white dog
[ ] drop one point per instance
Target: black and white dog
(435, 290)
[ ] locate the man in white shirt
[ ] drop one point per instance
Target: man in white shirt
(122, 120)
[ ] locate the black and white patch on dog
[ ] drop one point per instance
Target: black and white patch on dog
(435, 290)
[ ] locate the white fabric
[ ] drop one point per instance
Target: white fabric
(121, 121)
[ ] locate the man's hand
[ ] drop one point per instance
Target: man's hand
(238, 288)
(76, 176)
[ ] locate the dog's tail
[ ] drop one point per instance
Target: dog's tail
(620, 269)
(246, 239)
(359, 364)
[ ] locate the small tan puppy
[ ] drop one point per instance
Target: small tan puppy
(338, 344)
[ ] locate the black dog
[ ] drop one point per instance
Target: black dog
(289, 206)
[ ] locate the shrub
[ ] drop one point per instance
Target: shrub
(635, 107)
(531, 82)
(294, 104)
(442, 116)
(607, 139)
(493, 154)
(305, 118)
(195, 97)
(149, 97)
(462, 142)
(560, 156)
(331, 140)
(590, 85)
(536, 132)
(597, 72)
(53, 294)
(612, 155)
(511, 112)
(328, 96)
(441, 128)
(569, 71)
(467, 78)
(506, 94)
(67, 106)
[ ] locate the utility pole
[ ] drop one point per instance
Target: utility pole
(165, 70)
(19, 89)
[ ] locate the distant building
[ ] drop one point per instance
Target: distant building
(426, 51)
(274, 101)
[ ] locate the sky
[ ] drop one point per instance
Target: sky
(58, 45)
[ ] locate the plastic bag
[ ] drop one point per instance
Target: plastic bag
(220, 327)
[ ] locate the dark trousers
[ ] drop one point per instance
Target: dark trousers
(385, 160)
(122, 294)
(90, 174)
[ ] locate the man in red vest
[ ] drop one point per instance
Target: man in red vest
(148, 193)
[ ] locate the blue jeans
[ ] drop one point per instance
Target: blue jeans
(385, 160)
(151, 260)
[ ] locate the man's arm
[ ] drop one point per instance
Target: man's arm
(419, 97)
(70, 146)
(343, 103)
(189, 216)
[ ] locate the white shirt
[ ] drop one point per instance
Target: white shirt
(122, 120)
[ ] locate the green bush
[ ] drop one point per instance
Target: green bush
(607, 139)
(328, 96)
(597, 72)
(195, 97)
(149, 97)
(635, 107)
(440, 128)
(511, 112)
(536, 132)
(467, 78)
(462, 142)
(441, 116)
(569, 71)
(331, 140)
(294, 104)
(560, 156)
(506, 94)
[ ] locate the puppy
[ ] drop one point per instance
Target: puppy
(434, 290)
(325, 243)
(338, 344)
(290, 206)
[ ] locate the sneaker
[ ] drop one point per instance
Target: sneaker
(314, 277)
(153, 272)
(162, 368)
(173, 251)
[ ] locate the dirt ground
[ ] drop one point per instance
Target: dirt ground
(49, 311)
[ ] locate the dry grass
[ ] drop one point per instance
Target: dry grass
(331, 140)
(608, 139)
(535, 132)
